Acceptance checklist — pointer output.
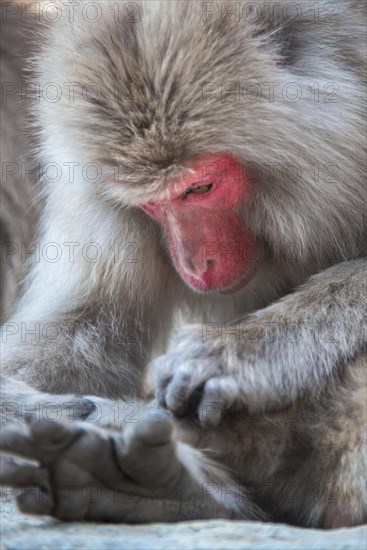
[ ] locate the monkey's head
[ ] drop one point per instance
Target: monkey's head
(209, 243)
(207, 122)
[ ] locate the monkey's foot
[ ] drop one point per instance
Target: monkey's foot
(37, 406)
(89, 473)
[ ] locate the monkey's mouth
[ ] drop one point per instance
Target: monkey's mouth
(221, 276)
(207, 285)
(238, 285)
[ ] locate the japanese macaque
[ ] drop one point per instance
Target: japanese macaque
(199, 163)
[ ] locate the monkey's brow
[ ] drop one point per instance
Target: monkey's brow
(207, 176)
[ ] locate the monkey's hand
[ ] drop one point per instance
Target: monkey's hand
(89, 473)
(215, 378)
(194, 379)
(272, 357)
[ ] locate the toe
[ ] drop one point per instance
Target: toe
(21, 473)
(147, 452)
(34, 500)
(155, 428)
(15, 439)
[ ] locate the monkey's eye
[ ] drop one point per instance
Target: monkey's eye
(199, 190)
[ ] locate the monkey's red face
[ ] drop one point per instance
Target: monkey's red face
(209, 243)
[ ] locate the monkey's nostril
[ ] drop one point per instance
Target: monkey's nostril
(201, 269)
(191, 265)
(198, 269)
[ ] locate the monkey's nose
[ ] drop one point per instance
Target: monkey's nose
(199, 269)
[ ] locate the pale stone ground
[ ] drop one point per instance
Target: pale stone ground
(19, 532)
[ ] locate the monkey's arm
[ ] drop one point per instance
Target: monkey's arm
(276, 354)
(88, 327)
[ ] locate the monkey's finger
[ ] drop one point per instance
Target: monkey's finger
(179, 384)
(218, 395)
(22, 474)
(163, 375)
(184, 393)
(162, 384)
